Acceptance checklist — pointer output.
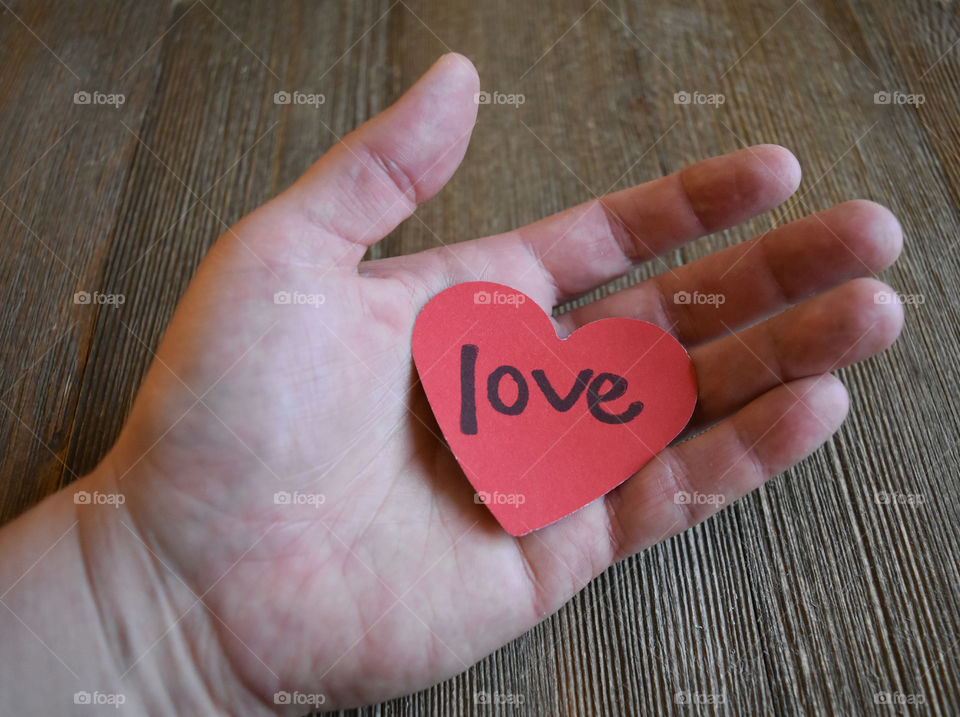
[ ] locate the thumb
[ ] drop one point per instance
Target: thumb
(375, 177)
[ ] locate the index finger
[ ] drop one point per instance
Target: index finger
(589, 244)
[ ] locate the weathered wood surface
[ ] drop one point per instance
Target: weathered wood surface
(811, 595)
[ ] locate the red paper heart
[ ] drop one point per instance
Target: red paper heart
(549, 425)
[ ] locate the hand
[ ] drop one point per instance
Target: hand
(397, 578)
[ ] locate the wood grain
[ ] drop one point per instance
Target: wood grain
(812, 595)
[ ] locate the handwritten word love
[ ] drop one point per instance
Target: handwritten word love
(603, 387)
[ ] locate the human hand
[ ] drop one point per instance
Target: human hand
(398, 578)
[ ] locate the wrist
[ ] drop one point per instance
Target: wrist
(138, 615)
(88, 602)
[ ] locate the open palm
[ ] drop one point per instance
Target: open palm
(308, 527)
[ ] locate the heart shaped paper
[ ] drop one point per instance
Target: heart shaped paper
(543, 426)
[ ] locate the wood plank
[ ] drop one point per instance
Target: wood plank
(62, 171)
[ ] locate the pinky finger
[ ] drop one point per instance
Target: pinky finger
(688, 482)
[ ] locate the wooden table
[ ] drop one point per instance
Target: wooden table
(831, 588)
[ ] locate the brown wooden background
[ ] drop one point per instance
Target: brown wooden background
(811, 595)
